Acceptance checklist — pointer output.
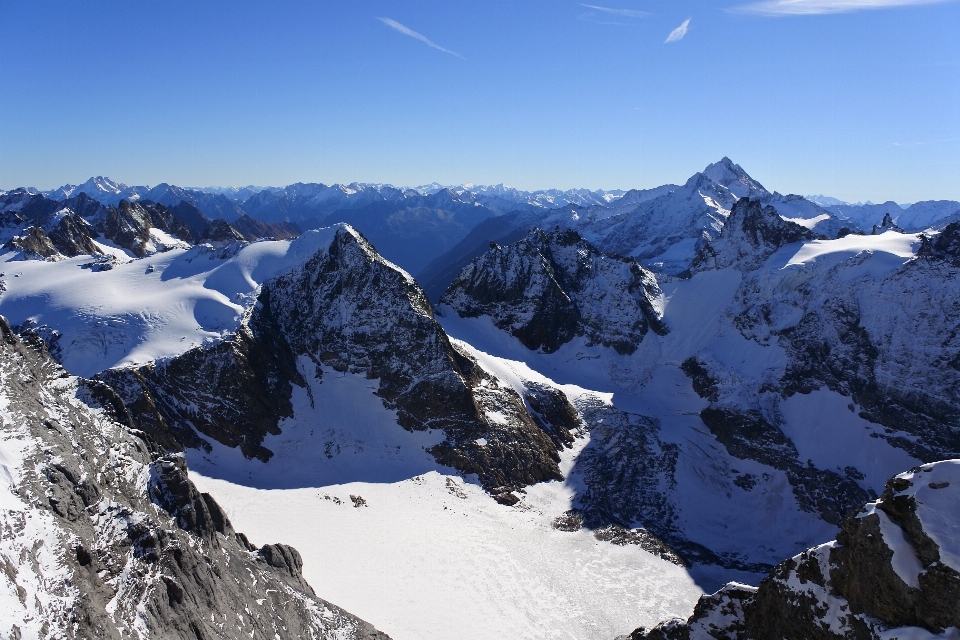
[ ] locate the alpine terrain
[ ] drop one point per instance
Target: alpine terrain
(599, 414)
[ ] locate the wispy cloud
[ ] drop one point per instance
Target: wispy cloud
(679, 32)
(924, 143)
(407, 31)
(815, 7)
(627, 13)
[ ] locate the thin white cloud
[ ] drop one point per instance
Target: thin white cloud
(629, 13)
(407, 31)
(679, 32)
(815, 7)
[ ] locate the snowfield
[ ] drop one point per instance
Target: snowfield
(148, 309)
(428, 552)
(432, 556)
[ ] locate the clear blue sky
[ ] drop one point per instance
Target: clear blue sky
(860, 104)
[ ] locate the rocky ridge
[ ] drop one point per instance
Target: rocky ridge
(551, 287)
(893, 571)
(103, 535)
(348, 308)
(45, 229)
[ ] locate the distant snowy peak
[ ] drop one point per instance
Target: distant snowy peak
(539, 199)
(733, 177)
(824, 201)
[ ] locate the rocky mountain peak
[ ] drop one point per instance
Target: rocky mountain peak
(892, 572)
(943, 246)
(551, 287)
(751, 234)
(732, 176)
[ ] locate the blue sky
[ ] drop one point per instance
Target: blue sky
(852, 98)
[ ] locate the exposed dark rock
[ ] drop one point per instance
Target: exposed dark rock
(851, 588)
(73, 236)
(703, 383)
(750, 235)
(252, 229)
(943, 246)
(128, 226)
(551, 287)
(221, 232)
(183, 221)
(748, 436)
(35, 244)
(349, 309)
(235, 392)
(628, 475)
(192, 219)
(142, 548)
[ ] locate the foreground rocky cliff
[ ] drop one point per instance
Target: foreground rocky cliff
(892, 572)
(102, 534)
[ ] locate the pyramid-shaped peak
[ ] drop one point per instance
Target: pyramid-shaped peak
(731, 175)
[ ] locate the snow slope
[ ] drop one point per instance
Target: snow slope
(430, 554)
(148, 309)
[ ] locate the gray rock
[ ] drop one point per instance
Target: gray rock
(112, 536)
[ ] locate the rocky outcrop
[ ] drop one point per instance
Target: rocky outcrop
(252, 229)
(102, 534)
(352, 310)
(220, 232)
(73, 236)
(551, 287)
(347, 308)
(751, 234)
(893, 571)
(863, 338)
(945, 246)
(33, 245)
(748, 436)
(235, 392)
(128, 226)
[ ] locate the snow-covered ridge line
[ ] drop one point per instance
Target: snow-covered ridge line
(149, 309)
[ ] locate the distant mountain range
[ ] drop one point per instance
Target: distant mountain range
(433, 230)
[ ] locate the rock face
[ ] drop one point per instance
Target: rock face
(550, 287)
(751, 234)
(945, 246)
(348, 308)
(102, 534)
(73, 236)
(43, 228)
(34, 244)
(893, 571)
(748, 436)
(129, 227)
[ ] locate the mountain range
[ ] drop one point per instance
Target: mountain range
(580, 419)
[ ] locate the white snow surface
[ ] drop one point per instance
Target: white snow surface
(430, 552)
(147, 309)
(826, 428)
(937, 508)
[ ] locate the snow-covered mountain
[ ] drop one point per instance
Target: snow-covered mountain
(891, 573)
(41, 228)
(570, 443)
(776, 336)
(105, 536)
